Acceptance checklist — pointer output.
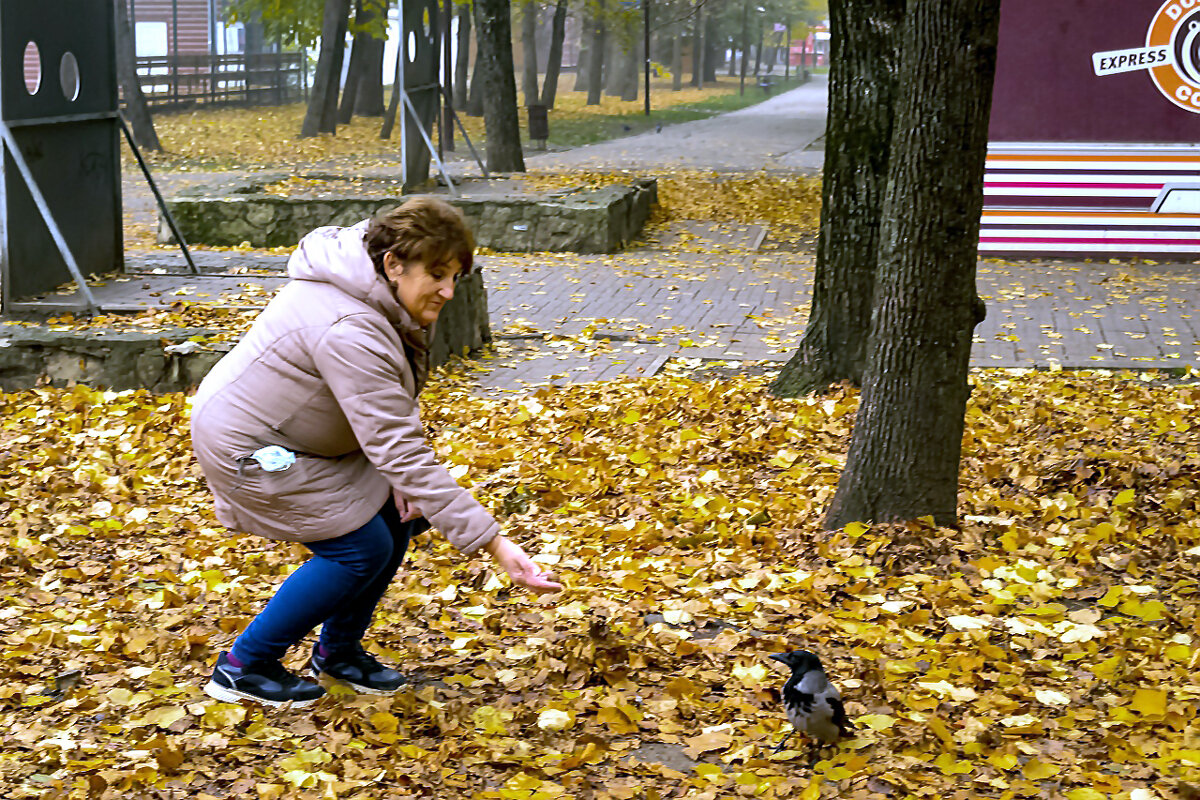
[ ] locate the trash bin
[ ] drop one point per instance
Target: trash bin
(539, 123)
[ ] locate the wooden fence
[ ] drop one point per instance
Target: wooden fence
(182, 81)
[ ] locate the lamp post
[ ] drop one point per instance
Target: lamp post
(646, 36)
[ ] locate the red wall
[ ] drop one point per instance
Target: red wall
(1046, 90)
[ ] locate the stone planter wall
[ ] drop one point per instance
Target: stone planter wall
(590, 221)
(166, 360)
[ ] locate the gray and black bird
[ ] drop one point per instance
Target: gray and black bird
(813, 704)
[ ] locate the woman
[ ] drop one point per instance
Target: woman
(308, 431)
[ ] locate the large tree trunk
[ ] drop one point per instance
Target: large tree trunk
(369, 99)
(677, 60)
(615, 58)
(462, 64)
(529, 65)
(699, 46)
(475, 95)
(587, 40)
(357, 64)
(136, 107)
(558, 30)
(629, 71)
(712, 47)
(858, 134)
(321, 115)
(904, 453)
(595, 67)
(494, 33)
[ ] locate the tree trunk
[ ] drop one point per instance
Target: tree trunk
(137, 109)
(904, 453)
(677, 60)
(616, 61)
(356, 66)
(462, 64)
(595, 68)
(586, 43)
(558, 30)
(369, 101)
(321, 114)
(529, 66)
(858, 135)
(758, 49)
(732, 58)
(711, 46)
(494, 33)
(475, 95)
(699, 46)
(629, 71)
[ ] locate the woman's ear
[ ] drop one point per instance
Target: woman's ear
(393, 267)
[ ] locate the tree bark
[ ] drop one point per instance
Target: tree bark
(529, 65)
(494, 34)
(558, 31)
(596, 63)
(698, 49)
(711, 46)
(629, 71)
(141, 123)
(475, 95)
(677, 60)
(858, 135)
(904, 453)
(586, 42)
(369, 100)
(355, 69)
(321, 114)
(462, 64)
(615, 58)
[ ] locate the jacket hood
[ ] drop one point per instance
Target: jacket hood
(338, 256)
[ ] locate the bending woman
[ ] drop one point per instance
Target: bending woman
(308, 431)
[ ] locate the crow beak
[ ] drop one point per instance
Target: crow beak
(780, 657)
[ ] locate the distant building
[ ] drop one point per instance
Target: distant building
(190, 27)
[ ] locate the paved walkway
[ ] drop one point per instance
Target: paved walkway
(563, 318)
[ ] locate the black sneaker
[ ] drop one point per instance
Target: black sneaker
(358, 668)
(269, 684)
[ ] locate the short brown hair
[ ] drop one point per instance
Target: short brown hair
(423, 229)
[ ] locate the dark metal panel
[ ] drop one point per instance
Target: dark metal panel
(420, 81)
(75, 167)
(69, 140)
(62, 30)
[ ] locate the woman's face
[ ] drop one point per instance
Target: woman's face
(420, 288)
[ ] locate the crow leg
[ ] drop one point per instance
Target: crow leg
(784, 741)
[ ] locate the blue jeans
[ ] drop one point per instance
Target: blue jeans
(338, 588)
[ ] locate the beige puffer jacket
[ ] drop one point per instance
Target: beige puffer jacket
(330, 371)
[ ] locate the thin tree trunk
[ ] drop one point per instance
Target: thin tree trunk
(733, 53)
(586, 43)
(904, 454)
(529, 65)
(494, 32)
(615, 60)
(758, 50)
(475, 95)
(629, 71)
(711, 46)
(677, 60)
(136, 107)
(558, 30)
(595, 68)
(698, 49)
(356, 66)
(462, 64)
(321, 115)
(369, 100)
(858, 134)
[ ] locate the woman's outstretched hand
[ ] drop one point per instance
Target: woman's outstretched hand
(520, 567)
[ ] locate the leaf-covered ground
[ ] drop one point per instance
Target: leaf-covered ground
(1047, 649)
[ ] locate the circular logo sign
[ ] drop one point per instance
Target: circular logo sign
(1176, 28)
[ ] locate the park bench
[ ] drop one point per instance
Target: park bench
(765, 83)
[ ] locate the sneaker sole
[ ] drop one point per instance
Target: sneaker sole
(227, 695)
(317, 674)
